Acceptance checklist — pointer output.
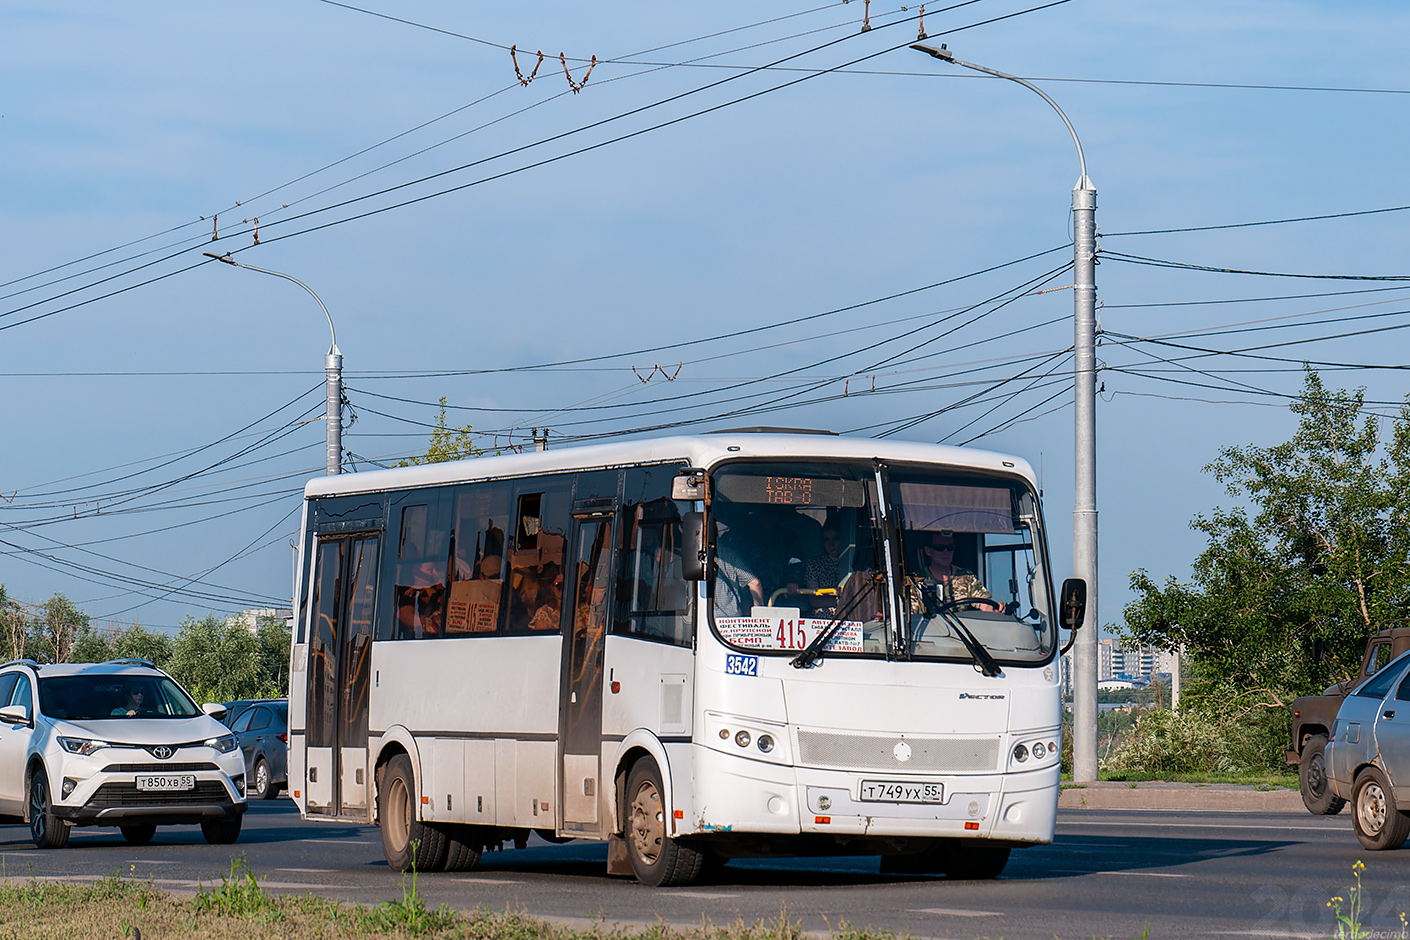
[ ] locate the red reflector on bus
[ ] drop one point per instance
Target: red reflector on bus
(822, 820)
(427, 799)
(971, 825)
(680, 814)
(296, 794)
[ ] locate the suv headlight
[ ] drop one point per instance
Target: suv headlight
(82, 746)
(224, 744)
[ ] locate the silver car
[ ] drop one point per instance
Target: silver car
(1368, 756)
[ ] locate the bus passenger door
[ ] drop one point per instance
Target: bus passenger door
(340, 654)
(589, 582)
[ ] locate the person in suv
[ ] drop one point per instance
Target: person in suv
(120, 744)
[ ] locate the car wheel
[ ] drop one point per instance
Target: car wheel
(656, 859)
(47, 830)
(971, 862)
(222, 831)
(406, 841)
(263, 785)
(138, 835)
(1379, 825)
(1312, 780)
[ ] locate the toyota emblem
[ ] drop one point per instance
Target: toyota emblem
(162, 752)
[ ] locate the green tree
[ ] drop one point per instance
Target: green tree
(1320, 558)
(91, 646)
(14, 627)
(446, 443)
(219, 660)
(52, 629)
(137, 642)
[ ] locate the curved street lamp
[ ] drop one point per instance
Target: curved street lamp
(332, 368)
(1084, 508)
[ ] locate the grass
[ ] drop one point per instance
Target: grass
(1259, 781)
(119, 907)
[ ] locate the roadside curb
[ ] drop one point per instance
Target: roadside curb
(1183, 797)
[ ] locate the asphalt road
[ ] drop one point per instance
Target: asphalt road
(1109, 874)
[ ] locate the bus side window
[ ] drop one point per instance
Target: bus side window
(537, 556)
(652, 597)
(477, 577)
(423, 556)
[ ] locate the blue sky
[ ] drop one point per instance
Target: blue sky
(127, 128)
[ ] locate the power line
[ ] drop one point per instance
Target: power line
(1251, 300)
(521, 168)
(1187, 266)
(1212, 228)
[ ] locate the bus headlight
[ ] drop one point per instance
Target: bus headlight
(765, 743)
(1020, 753)
(1039, 751)
(742, 738)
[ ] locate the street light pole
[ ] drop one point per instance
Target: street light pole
(332, 369)
(1084, 508)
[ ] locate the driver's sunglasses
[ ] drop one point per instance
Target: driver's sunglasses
(943, 548)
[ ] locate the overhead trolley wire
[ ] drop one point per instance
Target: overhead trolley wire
(522, 168)
(248, 201)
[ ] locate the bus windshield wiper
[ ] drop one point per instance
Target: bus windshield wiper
(934, 607)
(814, 650)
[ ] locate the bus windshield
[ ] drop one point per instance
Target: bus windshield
(950, 566)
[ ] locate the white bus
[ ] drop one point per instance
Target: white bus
(741, 644)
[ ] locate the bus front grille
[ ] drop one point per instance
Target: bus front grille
(897, 754)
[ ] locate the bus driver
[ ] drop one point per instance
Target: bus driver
(951, 582)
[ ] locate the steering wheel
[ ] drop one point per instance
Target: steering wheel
(978, 603)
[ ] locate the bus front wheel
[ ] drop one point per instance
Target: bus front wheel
(406, 841)
(657, 859)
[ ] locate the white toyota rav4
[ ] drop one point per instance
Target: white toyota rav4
(114, 744)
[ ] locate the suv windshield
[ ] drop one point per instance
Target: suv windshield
(951, 567)
(93, 697)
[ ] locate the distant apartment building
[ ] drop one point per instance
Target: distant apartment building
(1122, 668)
(250, 619)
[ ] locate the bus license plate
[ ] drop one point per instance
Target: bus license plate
(166, 782)
(901, 791)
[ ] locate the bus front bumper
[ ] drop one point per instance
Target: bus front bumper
(738, 795)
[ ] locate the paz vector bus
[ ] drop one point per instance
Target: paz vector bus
(738, 644)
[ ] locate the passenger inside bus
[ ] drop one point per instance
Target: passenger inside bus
(420, 597)
(824, 571)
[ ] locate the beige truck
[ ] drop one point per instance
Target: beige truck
(1312, 717)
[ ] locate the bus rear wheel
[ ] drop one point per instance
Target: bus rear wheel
(464, 845)
(406, 841)
(656, 859)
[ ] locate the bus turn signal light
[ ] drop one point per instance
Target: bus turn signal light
(971, 825)
(822, 820)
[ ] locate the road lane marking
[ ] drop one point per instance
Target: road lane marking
(707, 895)
(1155, 825)
(489, 881)
(310, 871)
(952, 912)
(154, 861)
(1148, 874)
(337, 842)
(1265, 933)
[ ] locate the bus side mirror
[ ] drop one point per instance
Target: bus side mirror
(1073, 606)
(693, 546)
